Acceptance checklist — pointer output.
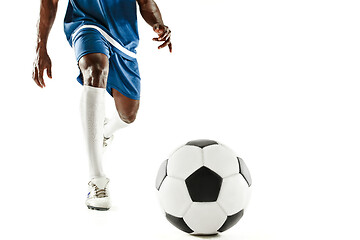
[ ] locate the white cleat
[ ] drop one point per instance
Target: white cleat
(98, 195)
(107, 141)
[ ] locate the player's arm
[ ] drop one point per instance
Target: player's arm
(151, 14)
(48, 9)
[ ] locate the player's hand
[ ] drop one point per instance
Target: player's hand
(164, 35)
(42, 62)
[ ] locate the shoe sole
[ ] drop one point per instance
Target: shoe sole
(98, 208)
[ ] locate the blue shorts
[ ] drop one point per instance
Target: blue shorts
(124, 73)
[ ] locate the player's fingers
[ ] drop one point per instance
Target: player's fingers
(165, 35)
(33, 74)
(167, 42)
(159, 40)
(40, 78)
(35, 77)
(48, 71)
(170, 47)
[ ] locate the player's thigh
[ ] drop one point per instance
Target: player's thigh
(126, 107)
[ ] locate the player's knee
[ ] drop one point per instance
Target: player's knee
(128, 117)
(94, 68)
(95, 76)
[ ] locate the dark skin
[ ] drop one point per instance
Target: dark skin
(94, 67)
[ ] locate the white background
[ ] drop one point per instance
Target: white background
(277, 81)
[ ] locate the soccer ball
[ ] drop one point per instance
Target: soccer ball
(203, 187)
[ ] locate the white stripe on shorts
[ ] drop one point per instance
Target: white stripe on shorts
(107, 37)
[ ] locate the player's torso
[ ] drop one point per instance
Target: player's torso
(117, 17)
(113, 11)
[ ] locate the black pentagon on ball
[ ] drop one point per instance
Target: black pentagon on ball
(244, 171)
(162, 173)
(231, 221)
(204, 185)
(179, 223)
(201, 143)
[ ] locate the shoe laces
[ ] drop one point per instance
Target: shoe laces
(105, 142)
(99, 192)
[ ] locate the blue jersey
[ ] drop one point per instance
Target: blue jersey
(116, 17)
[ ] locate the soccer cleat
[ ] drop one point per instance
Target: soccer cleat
(107, 141)
(98, 194)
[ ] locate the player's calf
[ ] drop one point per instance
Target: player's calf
(128, 117)
(126, 107)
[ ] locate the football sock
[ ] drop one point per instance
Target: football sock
(92, 110)
(114, 124)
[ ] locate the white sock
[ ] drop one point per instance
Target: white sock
(92, 110)
(114, 124)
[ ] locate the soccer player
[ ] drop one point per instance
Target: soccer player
(104, 36)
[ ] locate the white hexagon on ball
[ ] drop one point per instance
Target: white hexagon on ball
(234, 199)
(221, 160)
(174, 197)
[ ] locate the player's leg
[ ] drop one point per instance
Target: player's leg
(127, 109)
(92, 54)
(94, 68)
(124, 86)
